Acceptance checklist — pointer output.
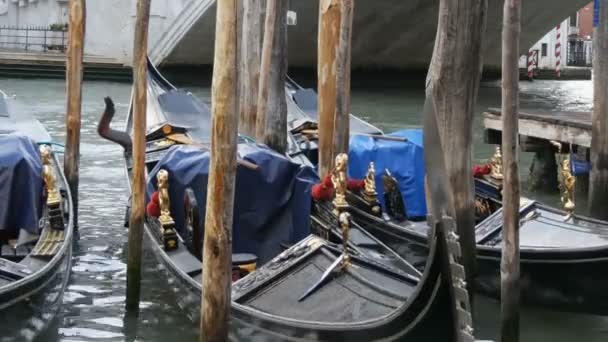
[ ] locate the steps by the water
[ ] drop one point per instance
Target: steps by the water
(52, 65)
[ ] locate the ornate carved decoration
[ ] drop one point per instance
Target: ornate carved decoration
(166, 221)
(53, 197)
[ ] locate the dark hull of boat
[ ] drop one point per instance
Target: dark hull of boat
(30, 305)
(572, 281)
(577, 285)
(30, 309)
(426, 319)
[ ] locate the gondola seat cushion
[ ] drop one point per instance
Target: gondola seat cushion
(271, 204)
(21, 185)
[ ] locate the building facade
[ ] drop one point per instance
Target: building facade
(109, 25)
(567, 44)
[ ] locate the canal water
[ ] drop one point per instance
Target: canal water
(94, 301)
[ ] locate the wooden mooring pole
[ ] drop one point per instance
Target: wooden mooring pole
(264, 86)
(275, 125)
(249, 65)
(327, 51)
(598, 181)
(453, 82)
(217, 250)
(138, 186)
(509, 268)
(74, 71)
(342, 116)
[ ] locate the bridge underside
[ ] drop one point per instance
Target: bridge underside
(393, 34)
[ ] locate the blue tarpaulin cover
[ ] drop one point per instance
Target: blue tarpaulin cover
(21, 184)
(271, 205)
(405, 161)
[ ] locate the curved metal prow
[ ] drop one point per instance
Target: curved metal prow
(103, 128)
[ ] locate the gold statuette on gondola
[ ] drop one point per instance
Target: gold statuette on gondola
(53, 197)
(370, 195)
(166, 221)
(338, 178)
(496, 165)
(568, 181)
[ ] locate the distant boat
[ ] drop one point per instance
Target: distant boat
(286, 296)
(36, 226)
(563, 257)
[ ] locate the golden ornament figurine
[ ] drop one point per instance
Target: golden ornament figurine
(370, 195)
(568, 186)
(53, 197)
(369, 190)
(338, 178)
(496, 165)
(166, 221)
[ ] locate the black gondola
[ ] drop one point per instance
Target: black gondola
(36, 226)
(379, 296)
(562, 256)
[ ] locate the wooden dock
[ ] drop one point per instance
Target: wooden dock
(565, 127)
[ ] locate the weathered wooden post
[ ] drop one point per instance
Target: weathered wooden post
(342, 116)
(272, 109)
(217, 250)
(598, 189)
(264, 85)
(74, 71)
(327, 54)
(453, 82)
(330, 19)
(509, 268)
(249, 65)
(138, 186)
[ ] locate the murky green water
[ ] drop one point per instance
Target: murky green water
(94, 302)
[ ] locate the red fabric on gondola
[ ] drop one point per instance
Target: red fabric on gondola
(323, 191)
(153, 209)
(355, 185)
(327, 182)
(481, 170)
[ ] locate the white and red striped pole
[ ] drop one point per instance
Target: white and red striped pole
(531, 64)
(558, 51)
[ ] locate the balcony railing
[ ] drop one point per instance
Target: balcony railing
(34, 38)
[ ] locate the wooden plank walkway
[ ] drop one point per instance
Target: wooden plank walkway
(565, 127)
